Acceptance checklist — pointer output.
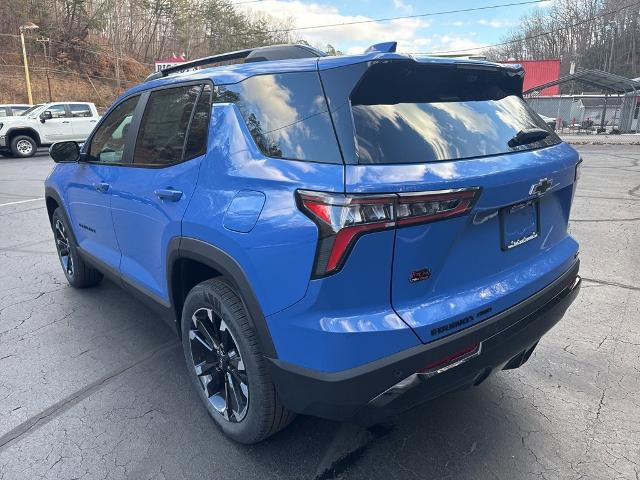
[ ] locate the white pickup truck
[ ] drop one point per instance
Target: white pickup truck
(20, 136)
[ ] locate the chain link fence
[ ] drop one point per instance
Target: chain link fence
(579, 119)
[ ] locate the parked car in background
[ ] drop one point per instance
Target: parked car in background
(11, 109)
(328, 235)
(20, 136)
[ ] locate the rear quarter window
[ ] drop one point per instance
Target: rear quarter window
(286, 115)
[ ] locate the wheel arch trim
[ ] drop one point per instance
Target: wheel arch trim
(229, 268)
(29, 131)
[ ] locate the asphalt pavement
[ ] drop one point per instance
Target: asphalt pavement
(93, 386)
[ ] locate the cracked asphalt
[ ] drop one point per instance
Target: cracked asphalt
(92, 386)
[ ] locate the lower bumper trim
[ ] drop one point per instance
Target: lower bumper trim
(395, 383)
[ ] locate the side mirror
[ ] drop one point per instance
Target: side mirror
(46, 115)
(65, 152)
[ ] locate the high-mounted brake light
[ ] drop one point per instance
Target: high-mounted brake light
(341, 219)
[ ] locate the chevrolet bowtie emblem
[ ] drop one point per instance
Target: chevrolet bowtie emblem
(543, 185)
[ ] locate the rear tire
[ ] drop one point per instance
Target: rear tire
(23, 146)
(226, 366)
(78, 273)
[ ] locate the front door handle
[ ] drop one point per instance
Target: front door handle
(168, 194)
(102, 187)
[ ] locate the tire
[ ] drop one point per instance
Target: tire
(214, 325)
(23, 146)
(79, 274)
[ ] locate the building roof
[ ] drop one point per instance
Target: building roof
(604, 80)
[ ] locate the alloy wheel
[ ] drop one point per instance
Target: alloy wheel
(218, 365)
(64, 247)
(24, 147)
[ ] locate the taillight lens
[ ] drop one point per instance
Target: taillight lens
(341, 219)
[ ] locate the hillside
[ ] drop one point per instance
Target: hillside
(94, 50)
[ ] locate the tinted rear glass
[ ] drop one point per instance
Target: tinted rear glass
(164, 125)
(455, 114)
(286, 115)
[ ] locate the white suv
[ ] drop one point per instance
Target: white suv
(20, 136)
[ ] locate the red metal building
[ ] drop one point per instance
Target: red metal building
(537, 72)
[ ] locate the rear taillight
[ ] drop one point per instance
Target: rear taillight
(341, 219)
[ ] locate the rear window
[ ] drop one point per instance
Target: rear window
(286, 115)
(422, 114)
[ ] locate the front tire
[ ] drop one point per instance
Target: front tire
(226, 365)
(78, 273)
(23, 146)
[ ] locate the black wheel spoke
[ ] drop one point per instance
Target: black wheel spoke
(196, 335)
(205, 368)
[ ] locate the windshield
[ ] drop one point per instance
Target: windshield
(29, 110)
(33, 111)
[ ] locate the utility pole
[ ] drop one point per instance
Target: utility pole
(44, 42)
(27, 26)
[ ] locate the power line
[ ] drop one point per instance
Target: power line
(530, 37)
(375, 20)
(404, 17)
(329, 25)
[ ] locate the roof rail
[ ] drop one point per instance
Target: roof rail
(259, 54)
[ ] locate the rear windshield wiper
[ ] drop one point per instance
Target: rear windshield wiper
(530, 135)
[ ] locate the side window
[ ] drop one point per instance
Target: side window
(197, 139)
(80, 110)
(4, 111)
(107, 144)
(57, 111)
(19, 110)
(286, 114)
(163, 129)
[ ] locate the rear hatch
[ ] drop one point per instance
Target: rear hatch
(457, 132)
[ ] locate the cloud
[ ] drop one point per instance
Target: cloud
(404, 31)
(412, 34)
(496, 23)
(400, 5)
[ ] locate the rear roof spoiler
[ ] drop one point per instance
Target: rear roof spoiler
(259, 54)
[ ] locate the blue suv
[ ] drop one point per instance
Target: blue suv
(343, 237)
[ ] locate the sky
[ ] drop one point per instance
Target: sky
(459, 32)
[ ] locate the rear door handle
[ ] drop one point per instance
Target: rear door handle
(92, 121)
(102, 187)
(168, 194)
(66, 121)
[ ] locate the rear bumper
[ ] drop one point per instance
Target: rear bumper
(390, 385)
